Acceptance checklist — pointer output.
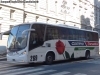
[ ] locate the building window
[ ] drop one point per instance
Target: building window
(56, 7)
(11, 26)
(1, 16)
(99, 16)
(96, 15)
(42, 4)
(0, 28)
(12, 14)
(51, 6)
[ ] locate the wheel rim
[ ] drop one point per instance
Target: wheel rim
(88, 55)
(49, 58)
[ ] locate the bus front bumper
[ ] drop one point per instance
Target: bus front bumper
(17, 58)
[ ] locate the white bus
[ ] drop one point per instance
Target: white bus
(41, 42)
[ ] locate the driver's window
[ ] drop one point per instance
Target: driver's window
(33, 40)
(33, 37)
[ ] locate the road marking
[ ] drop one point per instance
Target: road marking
(14, 70)
(7, 68)
(32, 70)
(61, 73)
(42, 72)
(94, 62)
(80, 74)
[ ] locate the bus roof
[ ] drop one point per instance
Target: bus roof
(60, 25)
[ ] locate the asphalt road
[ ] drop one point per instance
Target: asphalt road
(70, 67)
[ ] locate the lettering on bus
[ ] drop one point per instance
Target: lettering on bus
(33, 58)
(77, 43)
(92, 43)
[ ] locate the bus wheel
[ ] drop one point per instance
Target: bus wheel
(49, 58)
(87, 54)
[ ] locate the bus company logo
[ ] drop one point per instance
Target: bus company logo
(76, 43)
(92, 43)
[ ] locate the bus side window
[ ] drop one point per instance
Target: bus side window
(95, 36)
(89, 36)
(51, 33)
(62, 33)
(48, 34)
(70, 34)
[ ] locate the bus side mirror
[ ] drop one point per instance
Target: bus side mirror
(23, 36)
(23, 33)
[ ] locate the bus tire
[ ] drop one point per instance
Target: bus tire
(49, 58)
(87, 54)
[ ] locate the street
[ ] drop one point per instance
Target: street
(81, 67)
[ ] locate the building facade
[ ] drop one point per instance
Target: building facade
(84, 14)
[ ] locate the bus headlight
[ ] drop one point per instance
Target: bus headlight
(23, 52)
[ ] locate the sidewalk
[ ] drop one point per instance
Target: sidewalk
(98, 56)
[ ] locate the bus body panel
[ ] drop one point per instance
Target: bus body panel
(37, 54)
(68, 53)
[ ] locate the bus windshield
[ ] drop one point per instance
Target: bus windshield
(16, 41)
